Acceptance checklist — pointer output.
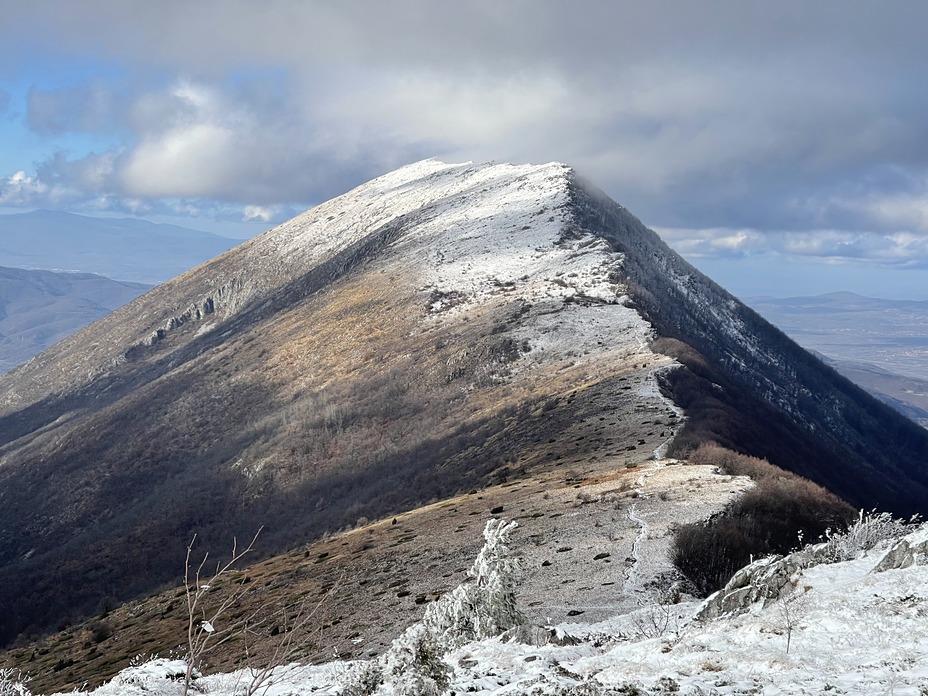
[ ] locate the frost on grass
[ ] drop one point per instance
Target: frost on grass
(840, 626)
(481, 607)
(13, 683)
(870, 529)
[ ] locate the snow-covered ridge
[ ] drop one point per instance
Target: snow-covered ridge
(474, 228)
(431, 189)
(486, 236)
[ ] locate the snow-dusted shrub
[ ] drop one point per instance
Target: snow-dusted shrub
(865, 533)
(485, 605)
(481, 607)
(13, 683)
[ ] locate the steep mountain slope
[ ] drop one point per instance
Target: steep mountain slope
(907, 395)
(879, 344)
(39, 308)
(121, 248)
(437, 330)
(817, 423)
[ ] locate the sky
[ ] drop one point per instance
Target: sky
(780, 147)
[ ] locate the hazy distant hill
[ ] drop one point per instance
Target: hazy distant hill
(39, 308)
(124, 248)
(880, 344)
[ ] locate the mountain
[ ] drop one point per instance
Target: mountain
(439, 330)
(907, 395)
(120, 248)
(39, 308)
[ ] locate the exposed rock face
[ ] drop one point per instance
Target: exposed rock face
(765, 580)
(438, 329)
(903, 555)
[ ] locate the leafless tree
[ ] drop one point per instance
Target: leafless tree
(204, 630)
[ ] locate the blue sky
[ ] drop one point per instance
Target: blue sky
(782, 147)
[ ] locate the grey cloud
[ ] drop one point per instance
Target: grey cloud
(87, 108)
(775, 117)
(221, 33)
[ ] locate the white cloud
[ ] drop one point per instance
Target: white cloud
(258, 212)
(20, 188)
(713, 242)
(894, 249)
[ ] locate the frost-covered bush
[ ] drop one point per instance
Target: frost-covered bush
(485, 605)
(158, 675)
(481, 607)
(865, 533)
(13, 683)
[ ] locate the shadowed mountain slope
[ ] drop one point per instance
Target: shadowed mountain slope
(816, 422)
(437, 330)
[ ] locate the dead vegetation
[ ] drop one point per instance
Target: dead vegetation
(778, 515)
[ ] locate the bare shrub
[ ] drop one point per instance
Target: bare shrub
(13, 683)
(770, 518)
(291, 624)
(202, 623)
(735, 464)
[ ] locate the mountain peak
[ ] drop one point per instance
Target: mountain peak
(441, 329)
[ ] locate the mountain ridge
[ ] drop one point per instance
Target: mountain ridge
(40, 308)
(440, 329)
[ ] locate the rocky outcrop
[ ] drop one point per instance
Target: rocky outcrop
(903, 555)
(764, 580)
(229, 298)
(768, 579)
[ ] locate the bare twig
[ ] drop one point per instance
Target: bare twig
(202, 625)
(262, 678)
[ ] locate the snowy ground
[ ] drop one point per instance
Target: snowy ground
(848, 630)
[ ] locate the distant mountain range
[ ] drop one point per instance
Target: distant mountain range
(119, 248)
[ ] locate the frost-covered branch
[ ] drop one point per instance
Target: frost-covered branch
(201, 625)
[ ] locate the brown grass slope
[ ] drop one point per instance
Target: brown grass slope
(363, 587)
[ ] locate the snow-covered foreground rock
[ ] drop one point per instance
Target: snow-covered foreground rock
(857, 626)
